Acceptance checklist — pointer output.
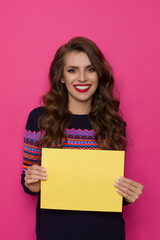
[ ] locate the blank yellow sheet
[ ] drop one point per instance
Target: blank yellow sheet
(81, 179)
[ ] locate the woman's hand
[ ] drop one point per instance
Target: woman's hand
(33, 176)
(129, 189)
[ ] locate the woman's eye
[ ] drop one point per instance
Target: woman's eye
(92, 69)
(72, 70)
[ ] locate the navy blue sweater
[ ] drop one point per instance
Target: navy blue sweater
(65, 224)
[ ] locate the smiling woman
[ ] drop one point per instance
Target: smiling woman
(80, 112)
(71, 66)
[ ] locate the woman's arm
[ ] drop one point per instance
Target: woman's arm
(32, 172)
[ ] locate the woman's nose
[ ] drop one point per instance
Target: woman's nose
(82, 77)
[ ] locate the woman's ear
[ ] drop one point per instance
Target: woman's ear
(62, 80)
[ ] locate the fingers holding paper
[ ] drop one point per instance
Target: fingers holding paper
(33, 176)
(129, 189)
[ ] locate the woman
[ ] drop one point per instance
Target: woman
(81, 106)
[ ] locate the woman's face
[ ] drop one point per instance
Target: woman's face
(80, 78)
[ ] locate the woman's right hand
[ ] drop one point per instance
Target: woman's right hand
(33, 176)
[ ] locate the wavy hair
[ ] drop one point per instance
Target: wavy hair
(104, 116)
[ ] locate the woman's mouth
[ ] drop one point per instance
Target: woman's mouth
(82, 87)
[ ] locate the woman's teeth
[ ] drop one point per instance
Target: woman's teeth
(82, 87)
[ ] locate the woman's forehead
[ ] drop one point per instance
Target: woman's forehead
(76, 58)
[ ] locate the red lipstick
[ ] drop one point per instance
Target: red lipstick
(82, 87)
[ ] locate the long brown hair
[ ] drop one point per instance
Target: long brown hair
(104, 116)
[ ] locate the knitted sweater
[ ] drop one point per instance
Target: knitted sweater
(65, 224)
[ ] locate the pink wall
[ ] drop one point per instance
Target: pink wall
(128, 34)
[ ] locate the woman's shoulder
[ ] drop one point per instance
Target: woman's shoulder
(33, 118)
(37, 112)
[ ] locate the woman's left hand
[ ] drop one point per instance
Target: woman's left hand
(129, 189)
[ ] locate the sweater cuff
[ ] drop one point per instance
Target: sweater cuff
(25, 188)
(125, 202)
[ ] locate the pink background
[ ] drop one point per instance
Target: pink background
(128, 34)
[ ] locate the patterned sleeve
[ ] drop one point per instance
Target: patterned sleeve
(32, 149)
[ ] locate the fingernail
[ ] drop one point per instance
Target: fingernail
(117, 190)
(44, 174)
(116, 184)
(44, 178)
(43, 169)
(120, 178)
(117, 181)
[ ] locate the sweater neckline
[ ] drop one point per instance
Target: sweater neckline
(79, 115)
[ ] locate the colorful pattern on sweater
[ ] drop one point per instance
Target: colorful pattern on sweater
(76, 139)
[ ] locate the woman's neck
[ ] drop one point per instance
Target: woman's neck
(79, 108)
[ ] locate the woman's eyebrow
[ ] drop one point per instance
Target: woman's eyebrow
(78, 67)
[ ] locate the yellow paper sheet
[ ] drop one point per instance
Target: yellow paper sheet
(81, 179)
